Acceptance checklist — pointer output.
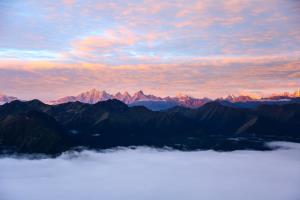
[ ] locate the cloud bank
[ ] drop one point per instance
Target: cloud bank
(146, 173)
(199, 77)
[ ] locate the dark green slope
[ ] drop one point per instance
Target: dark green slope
(33, 132)
(36, 127)
(112, 123)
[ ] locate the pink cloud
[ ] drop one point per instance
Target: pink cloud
(69, 2)
(201, 77)
(109, 40)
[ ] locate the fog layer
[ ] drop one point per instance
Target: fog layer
(146, 173)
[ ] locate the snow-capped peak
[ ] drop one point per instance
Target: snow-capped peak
(125, 97)
(93, 96)
(240, 98)
(182, 96)
(138, 96)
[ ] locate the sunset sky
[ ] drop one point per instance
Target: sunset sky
(54, 48)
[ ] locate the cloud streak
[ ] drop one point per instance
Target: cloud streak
(204, 48)
(213, 77)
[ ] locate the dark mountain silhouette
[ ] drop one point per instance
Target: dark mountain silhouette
(32, 132)
(34, 127)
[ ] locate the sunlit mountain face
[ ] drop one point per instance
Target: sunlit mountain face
(52, 49)
(157, 103)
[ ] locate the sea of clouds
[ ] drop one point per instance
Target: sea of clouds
(147, 174)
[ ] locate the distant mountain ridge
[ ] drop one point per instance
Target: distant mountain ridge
(139, 98)
(160, 103)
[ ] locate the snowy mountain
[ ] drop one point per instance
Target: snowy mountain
(188, 101)
(92, 96)
(138, 98)
(160, 103)
(241, 98)
(125, 97)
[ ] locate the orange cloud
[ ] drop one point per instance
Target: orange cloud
(111, 40)
(202, 77)
(203, 47)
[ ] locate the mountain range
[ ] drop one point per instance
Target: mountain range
(35, 127)
(161, 103)
(139, 98)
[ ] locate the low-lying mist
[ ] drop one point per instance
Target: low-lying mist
(145, 173)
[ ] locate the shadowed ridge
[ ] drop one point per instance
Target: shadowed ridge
(35, 103)
(69, 106)
(112, 104)
(140, 109)
(215, 104)
(18, 106)
(33, 132)
(112, 123)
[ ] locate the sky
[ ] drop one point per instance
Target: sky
(144, 173)
(212, 48)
